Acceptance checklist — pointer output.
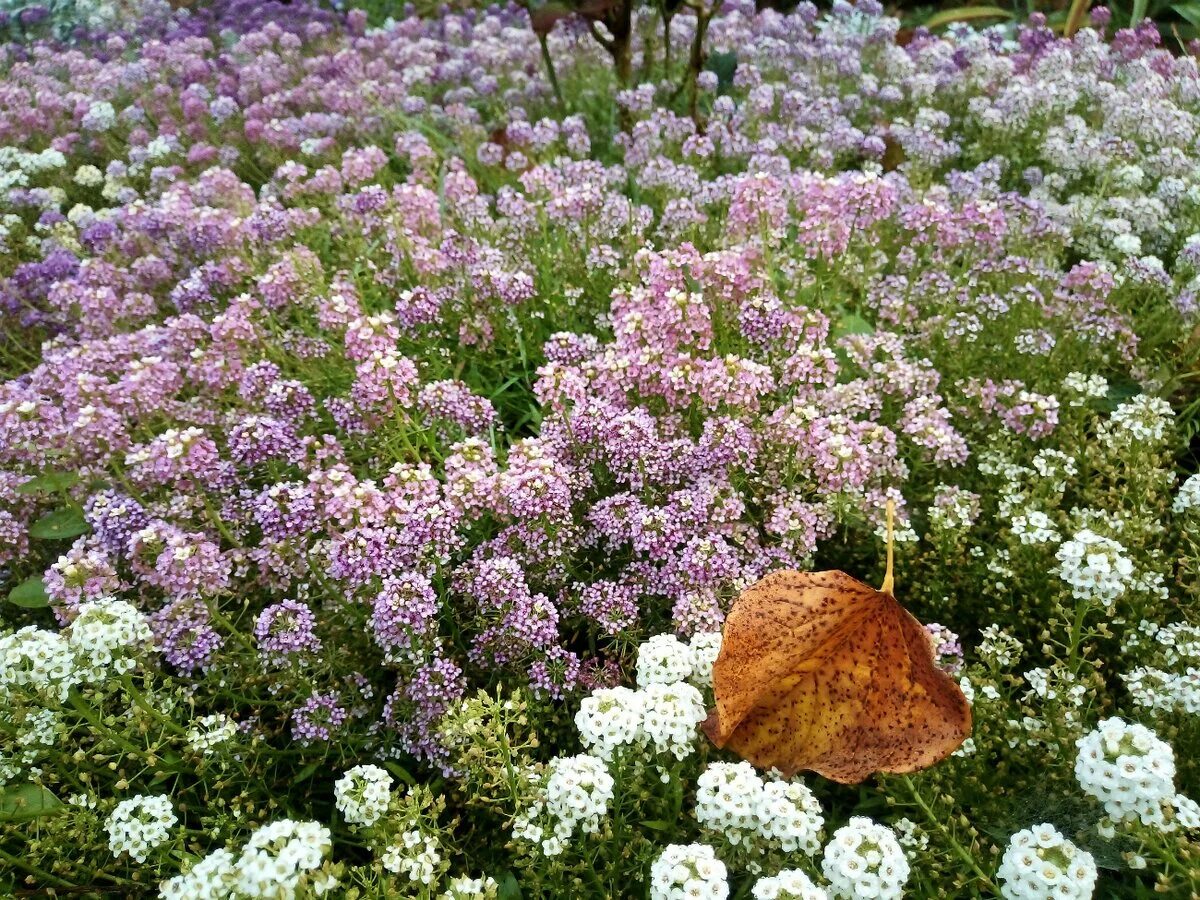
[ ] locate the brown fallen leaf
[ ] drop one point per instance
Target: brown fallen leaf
(818, 671)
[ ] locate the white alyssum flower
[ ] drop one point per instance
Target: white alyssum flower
(1034, 527)
(414, 855)
(88, 176)
(687, 871)
(663, 659)
(662, 718)
(1129, 769)
(610, 718)
(790, 884)
(864, 859)
(1160, 689)
(210, 731)
(277, 855)
(1041, 864)
(744, 809)
(1187, 812)
(40, 660)
(106, 635)
(1082, 388)
(1188, 497)
(728, 799)
(999, 648)
(790, 815)
(465, 888)
(100, 116)
(705, 647)
(138, 825)
(212, 877)
(1095, 567)
(363, 793)
(1141, 420)
(575, 797)
(671, 716)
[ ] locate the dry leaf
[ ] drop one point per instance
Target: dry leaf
(818, 671)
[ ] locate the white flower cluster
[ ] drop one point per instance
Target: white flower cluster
(363, 793)
(999, 648)
(664, 659)
(733, 801)
(1188, 497)
(790, 884)
(37, 659)
(105, 635)
(140, 824)
(1129, 769)
(1040, 863)
(575, 796)
(274, 860)
(34, 730)
(1034, 527)
(278, 853)
(1161, 689)
(661, 717)
(1141, 420)
(1094, 566)
(464, 888)
(210, 731)
(1055, 467)
(864, 859)
(688, 872)
(1187, 812)
(414, 855)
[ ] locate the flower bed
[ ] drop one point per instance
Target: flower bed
(382, 446)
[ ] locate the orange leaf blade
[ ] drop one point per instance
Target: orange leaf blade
(820, 672)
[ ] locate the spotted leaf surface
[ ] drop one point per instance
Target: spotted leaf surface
(818, 671)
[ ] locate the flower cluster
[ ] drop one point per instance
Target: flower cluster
(1039, 862)
(575, 797)
(691, 870)
(138, 825)
(738, 805)
(662, 718)
(363, 794)
(864, 859)
(1127, 768)
(790, 884)
(274, 861)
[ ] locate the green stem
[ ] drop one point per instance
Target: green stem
(45, 877)
(960, 851)
(146, 706)
(550, 73)
(94, 720)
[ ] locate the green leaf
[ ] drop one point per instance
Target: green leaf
(49, 483)
(1189, 12)
(966, 14)
(306, 773)
(723, 65)
(1120, 390)
(400, 772)
(508, 888)
(59, 525)
(852, 323)
(658, 825)
(30, 593)
(26, 801)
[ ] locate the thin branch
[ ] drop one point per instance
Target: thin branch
(607, 43)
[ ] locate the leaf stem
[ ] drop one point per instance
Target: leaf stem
(889, 582)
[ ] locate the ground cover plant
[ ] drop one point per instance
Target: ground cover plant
(387, 429)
